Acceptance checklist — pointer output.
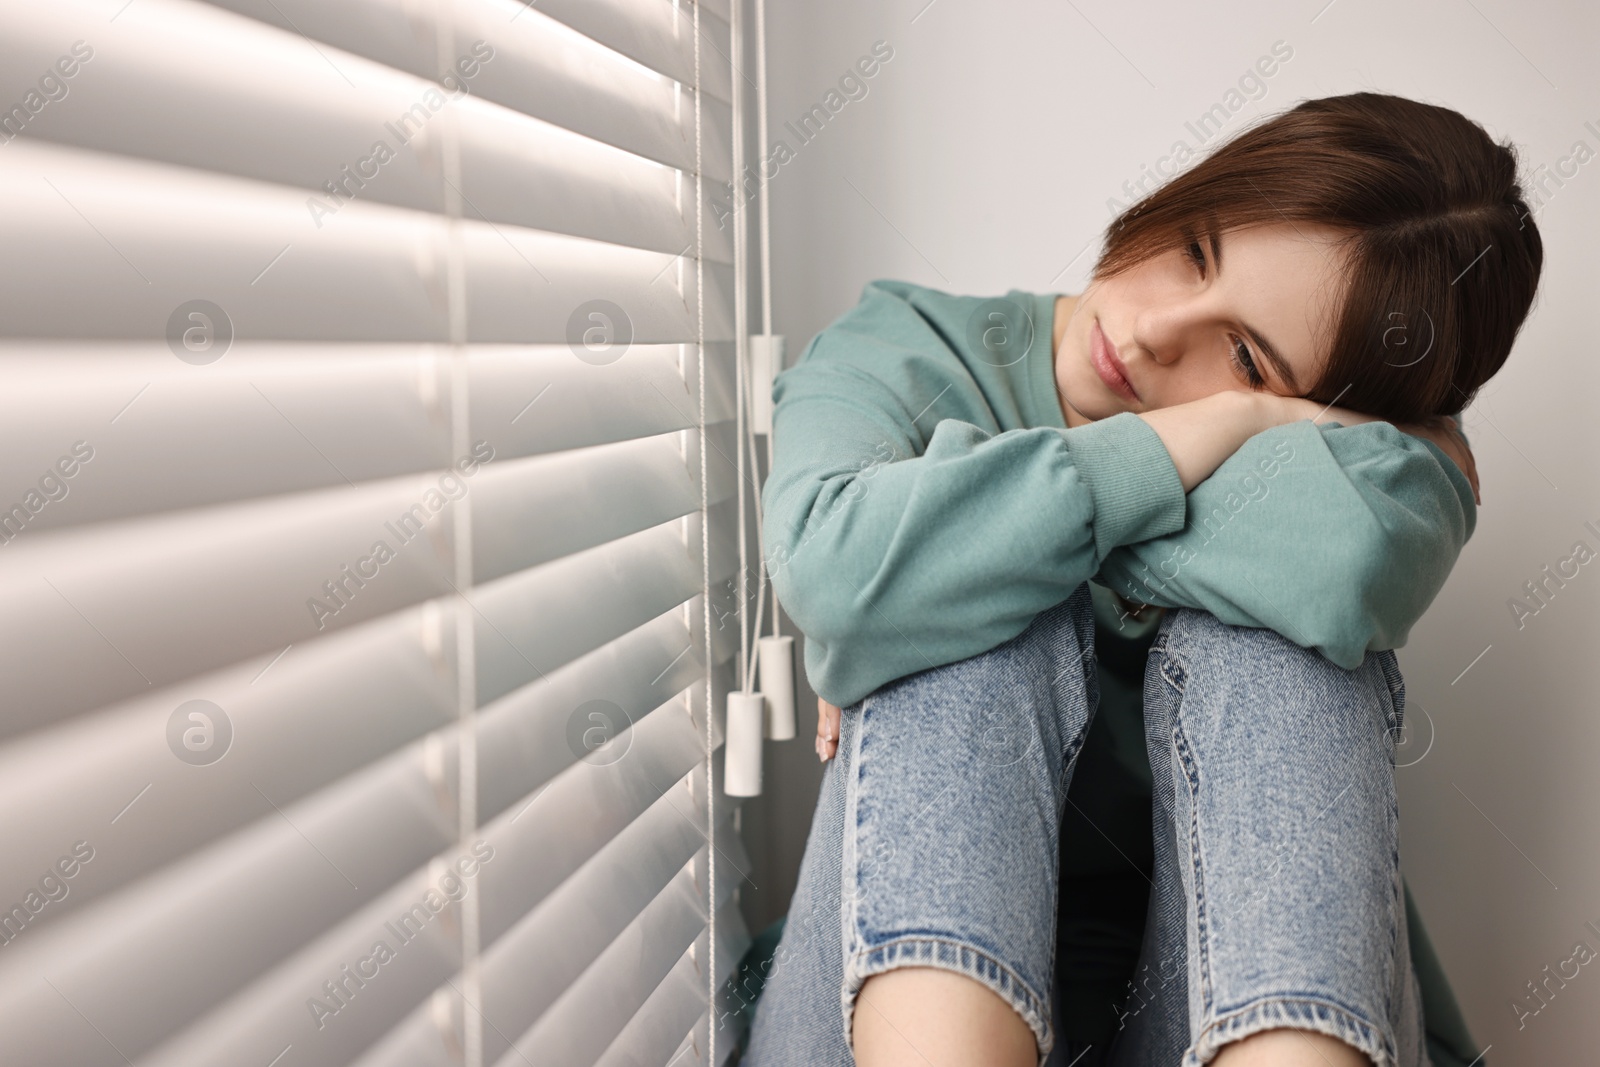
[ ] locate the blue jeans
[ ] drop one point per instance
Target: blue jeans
(1277, 899)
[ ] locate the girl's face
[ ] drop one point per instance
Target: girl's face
(1252, 311)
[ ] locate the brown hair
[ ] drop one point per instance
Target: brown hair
(1443, 254)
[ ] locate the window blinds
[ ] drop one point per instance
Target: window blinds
(354, 544)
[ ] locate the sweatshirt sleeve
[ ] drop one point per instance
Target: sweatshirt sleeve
(897, 548)
(1337, 537)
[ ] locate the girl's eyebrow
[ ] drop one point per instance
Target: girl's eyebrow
(1279, 364)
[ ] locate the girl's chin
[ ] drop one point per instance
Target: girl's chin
(1088, 396)
(1099, 402)
(1093, 412)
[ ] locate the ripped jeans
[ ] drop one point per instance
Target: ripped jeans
(1277, 898)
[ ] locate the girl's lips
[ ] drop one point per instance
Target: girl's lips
(1112, 370)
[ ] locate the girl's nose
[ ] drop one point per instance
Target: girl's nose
(1160, 331)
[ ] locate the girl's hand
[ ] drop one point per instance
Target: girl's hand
(827, 730)
(1200, 434)
(1297, 408)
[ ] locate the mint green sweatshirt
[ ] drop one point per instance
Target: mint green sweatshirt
(926, 503)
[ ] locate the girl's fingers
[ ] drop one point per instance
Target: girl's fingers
(827, 730)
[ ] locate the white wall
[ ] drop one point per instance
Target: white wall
(982, 158)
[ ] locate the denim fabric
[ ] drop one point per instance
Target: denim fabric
(1277, 894)
(1277, 840)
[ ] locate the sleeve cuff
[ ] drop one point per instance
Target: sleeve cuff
(1136, 490)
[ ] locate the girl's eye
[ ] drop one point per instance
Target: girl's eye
(1246, 364)
(1197, 255)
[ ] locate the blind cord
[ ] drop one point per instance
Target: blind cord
(749, 443)
(705, 561)
(741, 344)
(765, 227)
(767, 234)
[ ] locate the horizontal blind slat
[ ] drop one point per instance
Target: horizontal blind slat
(657, 34)
(96, 620)
(104, 612)
(146, 238)
(530, 857)
(363, 131)
(317, 880)
(362, 694)
(657, 1029)
(691, 1049)
(270, 889)
(579, 1026)
(102, 431)
(530, 736)
(541, 67)
(529, 968)
(113, 779)
(528, 512)
(565, 824)
(536, 620)
(534, 399)
(165, 436)
(571, 928)
(258, 906)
